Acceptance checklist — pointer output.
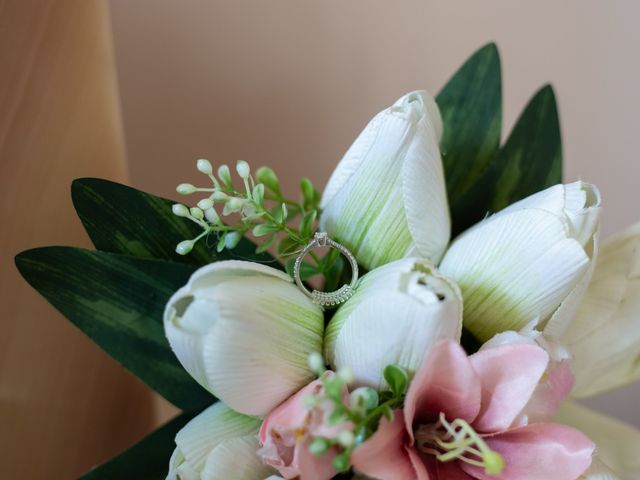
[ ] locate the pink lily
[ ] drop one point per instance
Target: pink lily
(286, 435)
(463, 417)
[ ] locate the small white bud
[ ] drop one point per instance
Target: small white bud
(224, 174)
(234, 205)
(180, 210)
(203, 165)
(184, 247)
(196, 213)
(205, 203)
(243, 169)
(185, 189)
(212, 216)
(346, 438)
(316, 363)
(219, 197)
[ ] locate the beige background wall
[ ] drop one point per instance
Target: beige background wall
(291, 83)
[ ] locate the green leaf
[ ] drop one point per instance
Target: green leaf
(118, 301)
(121, 219)
(268, 177)
(147, 459)
(397, 379)
(530, 161)
(471, 107)
(307, 270)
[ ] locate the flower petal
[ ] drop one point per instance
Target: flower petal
(445, 382)
(604, 336)
(383, 456)
(541, 451)
(617, 443)
(399, 142)
(398, 313)
(237, 459)
(214, 426)
(244, 331)
(513, 268)
(509, 375)
(599, 471)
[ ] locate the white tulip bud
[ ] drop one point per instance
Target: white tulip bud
(203, 165)
(185, 189)
(244, 331)
(205, 204)
(218, 443)
(243, 169)
(180, 210)
(397, 314)
(408, 215)
(529, 261)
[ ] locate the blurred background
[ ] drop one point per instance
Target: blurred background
(137, 91)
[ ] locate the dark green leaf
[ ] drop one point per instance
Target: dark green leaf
(121, 219)
(147, 459)
(118, 301)
(471, 107)
(530, 161)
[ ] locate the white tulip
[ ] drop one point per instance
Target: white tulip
(604, 336)
(399, 311)
(530, 261)
(218, 444)
(386, 199)
(617, 443)
(244, 331)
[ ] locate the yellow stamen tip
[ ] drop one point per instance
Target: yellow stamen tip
(493, 462)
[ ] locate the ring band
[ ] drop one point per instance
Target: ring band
(327, 299)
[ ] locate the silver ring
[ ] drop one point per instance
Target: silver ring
(327, 299)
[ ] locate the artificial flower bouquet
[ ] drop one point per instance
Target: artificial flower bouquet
(433, 314)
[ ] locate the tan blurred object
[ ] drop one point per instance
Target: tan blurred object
(64, 405)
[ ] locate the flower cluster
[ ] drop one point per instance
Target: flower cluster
(261, 208)
(382, 388)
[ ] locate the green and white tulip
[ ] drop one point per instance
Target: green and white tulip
(218, 444)
(386, 199)
(244, 331)
(604, 336)
(530, 261)
(399, 311)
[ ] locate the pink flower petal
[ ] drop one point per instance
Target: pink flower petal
(383, 456)
(447, 471)
(419, 464)
(543, 451)
(313, 467)
(445, 382)
(549, 394)
(509, 375)
(292, 413)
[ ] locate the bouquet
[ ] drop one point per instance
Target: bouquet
(433, 314)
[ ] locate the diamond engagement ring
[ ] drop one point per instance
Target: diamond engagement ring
(327, 299)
